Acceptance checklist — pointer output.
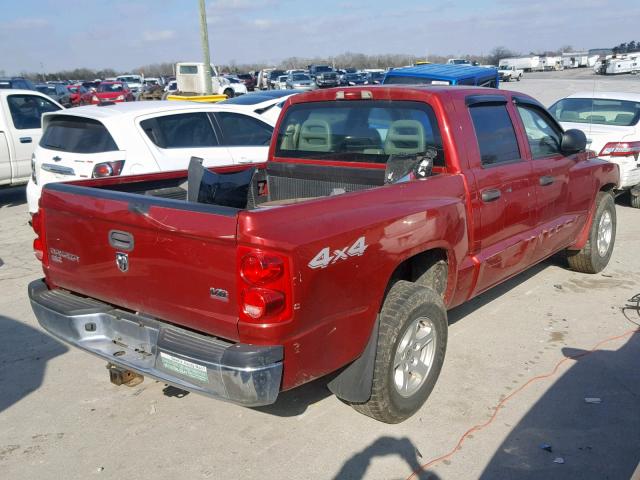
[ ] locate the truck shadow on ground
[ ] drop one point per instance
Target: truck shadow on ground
(24, 353)
(12, 196)
(467, 308)
(593, 440)
(356, 467)
(295, 402)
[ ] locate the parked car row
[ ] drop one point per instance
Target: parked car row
(609, 120)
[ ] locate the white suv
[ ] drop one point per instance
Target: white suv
(141, 137)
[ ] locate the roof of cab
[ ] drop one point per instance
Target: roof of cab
(398, 92)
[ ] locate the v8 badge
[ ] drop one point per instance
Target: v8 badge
(326, 256)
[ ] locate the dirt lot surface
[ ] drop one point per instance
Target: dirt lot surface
(539, 343)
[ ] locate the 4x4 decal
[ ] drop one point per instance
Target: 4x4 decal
(324, 258)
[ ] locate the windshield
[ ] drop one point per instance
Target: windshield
(598, 111)
(299, 77)
(275, 74)
(129, 79)
(323, 68)
(359, 131)
(110, 87)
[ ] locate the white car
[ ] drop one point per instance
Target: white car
(266, 103)
(141, 137)
(610, 122)
(20, 131)
(135, 82)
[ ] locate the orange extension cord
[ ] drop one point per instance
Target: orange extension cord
(481, 426)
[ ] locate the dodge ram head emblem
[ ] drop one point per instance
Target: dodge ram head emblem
(122, 260)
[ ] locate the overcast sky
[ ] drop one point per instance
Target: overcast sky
(37, 35)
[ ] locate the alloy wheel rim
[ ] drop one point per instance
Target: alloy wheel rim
(605, 233)
(414, 356)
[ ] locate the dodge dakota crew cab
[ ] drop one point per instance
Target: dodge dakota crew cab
(379, 209)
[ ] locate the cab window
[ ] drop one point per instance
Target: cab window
(495, 134)
(543, 137)
(26, 110)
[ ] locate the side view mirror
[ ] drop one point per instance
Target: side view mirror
(573, 141)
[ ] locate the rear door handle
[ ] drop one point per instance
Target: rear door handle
(546, 180)
(25, 139)
(491, 195)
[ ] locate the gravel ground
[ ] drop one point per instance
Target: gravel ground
(61, 418)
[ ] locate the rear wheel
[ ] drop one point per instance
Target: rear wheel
(412, 339)
(635, 200)
(596, 253)
(228, 92)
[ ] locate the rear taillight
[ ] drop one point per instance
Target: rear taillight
(621, 149)
(107, 169)
(39, 244)
(264, 286)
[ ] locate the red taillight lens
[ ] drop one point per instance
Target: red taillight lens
(261, 302)
(260, 269)
(37, 222)
(107, 169)
(264, 286)
(621, 149)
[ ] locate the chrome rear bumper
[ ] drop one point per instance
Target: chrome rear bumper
(244, 374)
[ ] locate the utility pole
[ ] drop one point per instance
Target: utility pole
(204, 36)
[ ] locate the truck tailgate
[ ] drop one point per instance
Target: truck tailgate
(173, 260)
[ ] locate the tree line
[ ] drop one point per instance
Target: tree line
(343, 60)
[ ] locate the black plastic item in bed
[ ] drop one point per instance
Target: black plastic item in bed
(225, 189)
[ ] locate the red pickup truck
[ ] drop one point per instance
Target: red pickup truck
(379, 209)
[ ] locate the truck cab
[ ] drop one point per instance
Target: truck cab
(20, 131)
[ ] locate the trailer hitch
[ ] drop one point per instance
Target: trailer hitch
(122, 376)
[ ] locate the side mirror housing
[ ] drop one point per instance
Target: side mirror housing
(573, 141)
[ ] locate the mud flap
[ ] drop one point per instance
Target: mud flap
(354, 383)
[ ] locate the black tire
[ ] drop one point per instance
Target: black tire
(435, 276)
(405, 304)
(228, 92)
(518, 78)
(635, 200)
(589, 259)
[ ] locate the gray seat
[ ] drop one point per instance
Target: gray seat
(405, 137)
(596, 118)
(315, 136)
(624, 118)
(569, 116)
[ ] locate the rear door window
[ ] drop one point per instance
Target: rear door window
(182, 130)
(242, 130)
(26, 110)
(77, 135)
(496, 136)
